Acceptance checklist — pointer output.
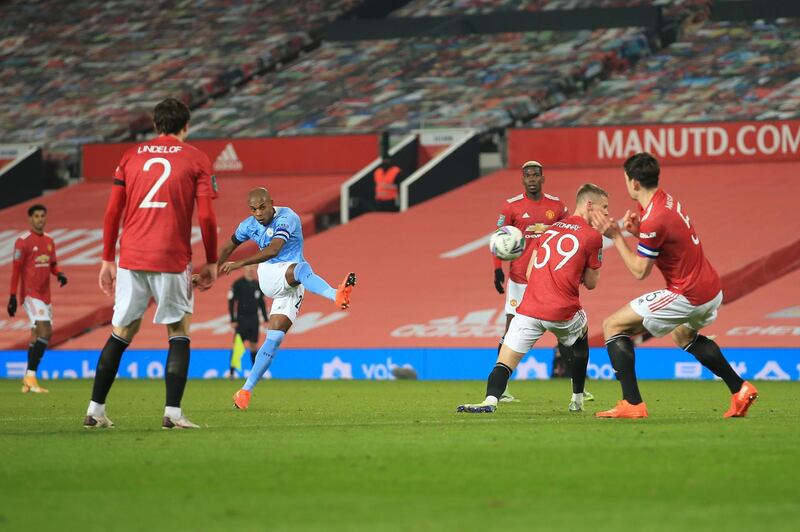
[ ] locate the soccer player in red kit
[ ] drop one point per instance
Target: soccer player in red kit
(532, 212)
(565, 256)
(34, 262)
(690, 301)
(156, 185)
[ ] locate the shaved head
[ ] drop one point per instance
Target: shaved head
(260, 203)
(258, 193)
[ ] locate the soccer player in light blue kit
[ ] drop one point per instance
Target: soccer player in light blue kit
(283, 275)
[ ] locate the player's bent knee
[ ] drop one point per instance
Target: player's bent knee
(683, 336)
(509, 357)
(127, 332)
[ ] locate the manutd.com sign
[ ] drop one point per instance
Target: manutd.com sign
(673, 143)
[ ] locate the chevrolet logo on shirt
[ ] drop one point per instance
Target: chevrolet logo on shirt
(42, 260)
(537, 228)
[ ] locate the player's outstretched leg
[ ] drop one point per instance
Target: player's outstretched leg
(621, 353)
(175, 377)
(497, 382)
(315, 284)
(106, 372)
(708, 353)
(579, 360)
(264, 358)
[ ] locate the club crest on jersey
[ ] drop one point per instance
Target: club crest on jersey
(270, 232)
(513, 302)
(501, 221)
(550, 214)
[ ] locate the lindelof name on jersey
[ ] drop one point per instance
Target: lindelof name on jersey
(669, 202)
(573, 227)
(159, 149)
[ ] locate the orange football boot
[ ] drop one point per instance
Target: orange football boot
(241, 399)
(30, 384)
(343, 292)
(741, 400)
(625, 410)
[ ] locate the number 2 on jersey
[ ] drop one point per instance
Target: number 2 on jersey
(147, 202)
(565, 253)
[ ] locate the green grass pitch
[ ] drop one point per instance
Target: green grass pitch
(312, 455)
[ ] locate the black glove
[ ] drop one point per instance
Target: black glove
(12, 306)
(499, 279)
(62, 279)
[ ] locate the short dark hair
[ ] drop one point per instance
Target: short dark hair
(38, 207)
(644, 168)
(170, 116)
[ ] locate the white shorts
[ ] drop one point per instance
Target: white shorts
(663, 311)
(524, 331)
(37, 310)
(172, 292)
(514, 293)
(286, 299)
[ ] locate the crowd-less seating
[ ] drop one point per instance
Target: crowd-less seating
(720, 71)
(92, 70)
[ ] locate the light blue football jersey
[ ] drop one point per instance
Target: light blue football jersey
(285, 224)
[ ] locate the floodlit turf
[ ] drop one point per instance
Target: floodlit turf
(396, 456)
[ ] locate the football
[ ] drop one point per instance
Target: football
(507, 243)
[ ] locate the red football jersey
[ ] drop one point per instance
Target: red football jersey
(35, 256)
(532, 218)
(666, 235)
(563, 253)
(162, 178)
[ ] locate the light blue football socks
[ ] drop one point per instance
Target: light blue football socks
(264, 358)
(313, 282)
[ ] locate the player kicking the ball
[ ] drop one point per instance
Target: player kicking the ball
(567, 255)
(690, 301)
(283, 275)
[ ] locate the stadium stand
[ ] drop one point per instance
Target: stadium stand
(94, 70)
(719, 71)
(425, 281)
(432, 8)
(481, 82)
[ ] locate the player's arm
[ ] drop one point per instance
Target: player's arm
(499, 277)
(227, 249)
(529, 269)
(55, 270)
(111, 221)
(207, 220)
(637, 263)
(590, 278)
(269, 252)
(16, 270)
